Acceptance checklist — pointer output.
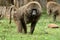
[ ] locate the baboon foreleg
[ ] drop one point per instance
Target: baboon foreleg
(24, 26)
(33, 26)
(54, 17)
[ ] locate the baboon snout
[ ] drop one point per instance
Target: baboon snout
(34, 12)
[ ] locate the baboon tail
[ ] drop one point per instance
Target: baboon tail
(10, 15)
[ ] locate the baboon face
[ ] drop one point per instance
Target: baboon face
(32, 12)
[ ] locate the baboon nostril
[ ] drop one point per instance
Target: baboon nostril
(34, 11)
(33, 14)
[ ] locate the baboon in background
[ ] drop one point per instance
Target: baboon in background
(2, 12)
(29, 13)
(53, 8)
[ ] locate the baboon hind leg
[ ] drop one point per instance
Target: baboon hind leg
(19, 26)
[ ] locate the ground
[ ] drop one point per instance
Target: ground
(42, 32)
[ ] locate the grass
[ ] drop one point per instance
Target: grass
(42, 32)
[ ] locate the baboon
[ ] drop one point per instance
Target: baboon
(2, 11)
(53, 8)
(29, 13)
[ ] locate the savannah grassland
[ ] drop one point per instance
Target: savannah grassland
(42, 32)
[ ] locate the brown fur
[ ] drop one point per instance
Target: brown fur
(22, 16)
(27, 1)
(53, 8)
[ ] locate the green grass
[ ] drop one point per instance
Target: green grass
(42, 32)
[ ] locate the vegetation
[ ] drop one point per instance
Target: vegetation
(42, 32)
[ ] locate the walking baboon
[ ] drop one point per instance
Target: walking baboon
(53, 8)
(29, 13)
